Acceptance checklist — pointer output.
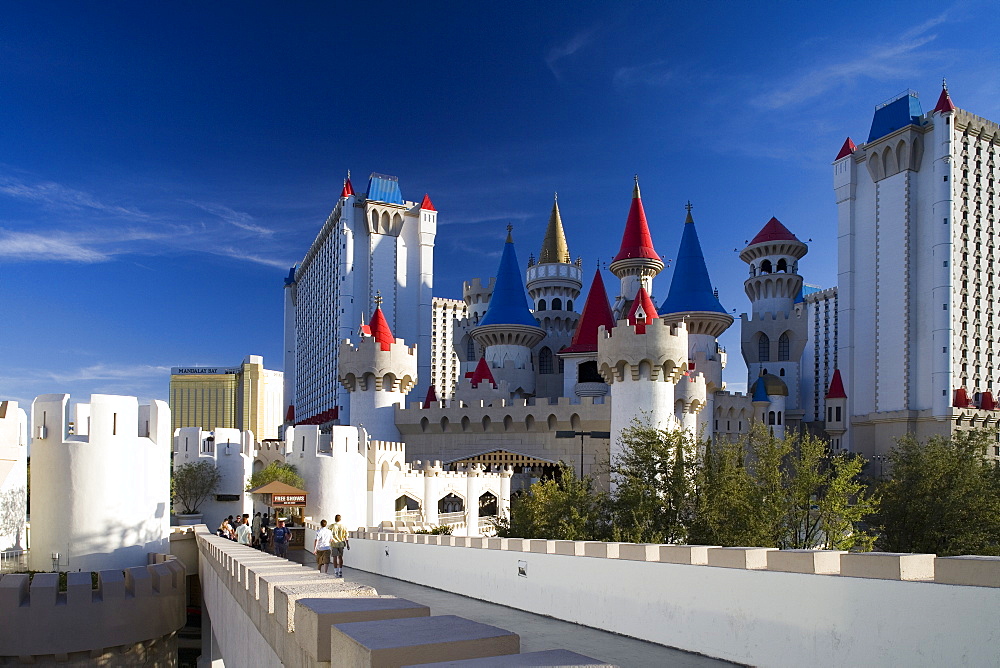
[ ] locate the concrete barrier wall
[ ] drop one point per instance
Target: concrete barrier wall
(739, 610)
(141, 605)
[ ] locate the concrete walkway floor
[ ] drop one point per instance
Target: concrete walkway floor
(537, 632)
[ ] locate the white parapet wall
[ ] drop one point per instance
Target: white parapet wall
(747, 614)
(130, 619)
(13, 476)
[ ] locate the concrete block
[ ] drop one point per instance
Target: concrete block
(887, 565)
(477, 542)
(79, 589)
(639, 551)
(421, 538)
(45, 588)
(973, 570)
(549, 657)
(417, 640)
(751, 558)
(315, 616)
(287, 595)
(515, 544)
(497, 543)
(460, 541)
(539, 546)
(696, 555)
(573, 548)
(820, 562)
(600, 549)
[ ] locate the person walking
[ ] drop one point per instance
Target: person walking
(243, 533)
(281, 536)
(338, 542)
(255, 531)
(321, 547)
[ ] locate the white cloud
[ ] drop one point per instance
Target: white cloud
(251, 257)
(29, 247)
(54, 195)
(239, 219)
(566, 49)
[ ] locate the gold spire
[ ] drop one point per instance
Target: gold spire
(554, 247)
(635, 191)
(689, 219)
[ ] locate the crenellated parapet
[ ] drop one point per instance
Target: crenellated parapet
(368, 365)
(692, 392)
(657, 350)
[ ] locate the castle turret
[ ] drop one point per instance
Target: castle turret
(775, 334)
(637, 262)
(641, 359)
(508, 331)
(581, 378)
(770, 399)
(693, 300)
(378, 373)
(554, 285)
(836, 412)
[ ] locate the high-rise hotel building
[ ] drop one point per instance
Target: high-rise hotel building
(919, 312)
(247, 396)
(446, 369)
(374, 243)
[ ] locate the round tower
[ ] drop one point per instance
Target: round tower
(775, 334)
(642, 359)
(637, 262)
(693, 300)
(554, 285)
(378, 373)
(770, 402)
(508, 331)
(836, 412)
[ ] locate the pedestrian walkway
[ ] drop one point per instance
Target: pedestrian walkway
(537, 632)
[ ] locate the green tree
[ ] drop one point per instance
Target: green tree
(277, 471)
(943, 496)
(726, 499)
(193, 483)
(561, 508)
(653, 500)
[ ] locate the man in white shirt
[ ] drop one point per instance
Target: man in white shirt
(321, 547)
(243, 533)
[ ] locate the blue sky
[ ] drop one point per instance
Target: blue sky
(163, 164)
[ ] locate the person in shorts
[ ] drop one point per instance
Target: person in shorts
(321, 547)
(338, 541)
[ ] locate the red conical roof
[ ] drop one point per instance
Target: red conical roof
(836, 390)
(642, 306)
(987, 402)
(481, 373)
(431, 397)
(379, 330)
(944, 102)
(848, 148)
(290, 413)
(773, 231)
(427, 205)
(962, 398)
(348, 189)
(596, 312)
(636, 242)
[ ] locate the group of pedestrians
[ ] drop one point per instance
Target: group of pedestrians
(256, 533)
(330, 544)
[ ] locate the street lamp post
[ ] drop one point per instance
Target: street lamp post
(581, 434)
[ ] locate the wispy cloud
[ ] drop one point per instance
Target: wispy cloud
(895, 59)
(562, 51)
(56, 196)
(28, 247)
(252, 257)
(487, 218)
(653, 74)
(108, 372)
(239, 219)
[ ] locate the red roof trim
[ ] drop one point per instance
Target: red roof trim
(427, 205)
(773, 231)
(379, 330)
(431, 397)
(348, 189)
(642, 301)
(944, 102)
(636, 242)
(596, 312)
(482, 373)
(847, 149)
(836, 390)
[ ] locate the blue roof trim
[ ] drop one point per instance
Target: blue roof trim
(382, 188)
(760, 391)
(690, 287)
(290, 279)
(509, 302)
(897, 114)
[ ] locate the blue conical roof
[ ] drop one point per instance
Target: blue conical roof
(760, 391)
(508, 304)
(690, 286)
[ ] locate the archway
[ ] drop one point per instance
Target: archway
(488, 505)
(451, 504)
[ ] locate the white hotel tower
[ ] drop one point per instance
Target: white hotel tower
(918, 266)
(372, 243)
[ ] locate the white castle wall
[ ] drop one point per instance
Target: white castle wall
(335, 472)
(100, 500)
(13, 475)
(232, 453)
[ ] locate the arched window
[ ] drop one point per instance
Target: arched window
(470, 350)
(783, 347)
(586, 372)
(782, 265)
(556, 304)
(779, 417)
(763, 348)
(545, 361)
(541, 304)
(569, 304)
(765, 267)
(770, 417)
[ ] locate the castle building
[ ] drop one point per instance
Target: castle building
(247, 397)
(819, 358)
(372, 243)
(917, 309)
(446, 366)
